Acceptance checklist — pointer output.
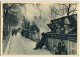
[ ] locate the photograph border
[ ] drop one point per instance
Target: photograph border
(38, 2)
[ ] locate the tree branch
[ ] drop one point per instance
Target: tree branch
(10, 6)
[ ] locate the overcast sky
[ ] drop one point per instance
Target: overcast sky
(32, 11)
(29, 11)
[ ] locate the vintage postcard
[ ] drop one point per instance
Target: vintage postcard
(0, 28)
(39, 28)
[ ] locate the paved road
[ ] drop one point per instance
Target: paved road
(19, 45)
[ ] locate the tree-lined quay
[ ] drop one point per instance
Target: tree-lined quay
(51, 28)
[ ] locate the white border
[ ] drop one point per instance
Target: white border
(7, 1)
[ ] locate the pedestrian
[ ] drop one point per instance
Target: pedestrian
(23, 33)
(41, 43)
(61, 48)
(15, 31)
(12, 32)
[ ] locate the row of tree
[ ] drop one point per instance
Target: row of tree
(62, 9)
(12, 12)
(11, 15)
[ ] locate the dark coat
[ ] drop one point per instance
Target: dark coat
(41, 43)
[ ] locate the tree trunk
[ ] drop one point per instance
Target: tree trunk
(68, 10)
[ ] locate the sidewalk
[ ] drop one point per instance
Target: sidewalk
(5, 42)
(19, 45)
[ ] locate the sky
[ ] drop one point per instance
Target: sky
(29, 11)
(32, 11)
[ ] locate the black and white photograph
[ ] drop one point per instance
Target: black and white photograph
(0, 28)
(39, 28)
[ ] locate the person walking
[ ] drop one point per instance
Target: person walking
(12, 32)
(41, 43)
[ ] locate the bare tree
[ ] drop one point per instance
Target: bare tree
(10, 15)
(62, 9)
(52, 12)
(69, 8)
